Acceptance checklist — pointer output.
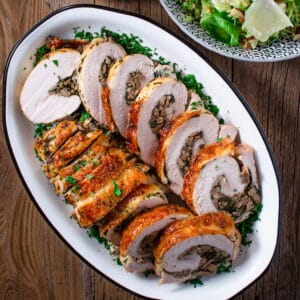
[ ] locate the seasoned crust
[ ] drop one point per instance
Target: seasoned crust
(142, 221)
(206, 224)
(205, 155)
(74, 146)
(52, 139)
(106, 106)
(104, 200)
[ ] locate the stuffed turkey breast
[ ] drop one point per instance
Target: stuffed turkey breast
(158, 102)
(50, 91)
(125, 80)
(98, 204)
(217, 180)
(108, 168)
(96, 61)
(143, 198)
(196, 246)
(180, 140)
(228, 131)
(72, 148)
(139, 237)
(85, 164)
(52, 139)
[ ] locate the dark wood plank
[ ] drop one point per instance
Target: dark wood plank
(35, 263)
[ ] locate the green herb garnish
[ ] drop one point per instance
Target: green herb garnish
(93, 232)
(70, 180)
(195, 282)
(246, 226)
(224, 267)
(37, 156)
(55, 61)
(84, 116)
(89, 176)
(40, 52)
(117, 191)
(219, 139)
(39, 129)
(147, 273)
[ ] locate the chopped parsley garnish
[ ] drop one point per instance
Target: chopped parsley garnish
(83, 35)
(94, 233)
(246, 226)
(40, 128)
(70, 180)
(76, 189)
(195, 282)
(224, 267)
(55, 61)
(89, 176)
(117, 191)
(148, 273)
(118, 261)
(84, 116)
(219, 139)
(79, 165)
(37, 156)
(40, 52)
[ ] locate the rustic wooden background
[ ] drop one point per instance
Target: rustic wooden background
(36, 264)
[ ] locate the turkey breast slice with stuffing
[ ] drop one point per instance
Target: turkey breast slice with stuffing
(217, 180)
(196, 246)
(99, 204)
(158, 102)
(143, 198)
(50, 91)
(125, 80)
(180, 140)
(139, 237)
(96, 60)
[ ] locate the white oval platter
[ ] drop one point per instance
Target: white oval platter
(252, 262)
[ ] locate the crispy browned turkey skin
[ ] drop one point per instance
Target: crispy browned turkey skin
(139, 237)
(158, 102)
(144, 197)
(180, 140)
(196, 246)
(220, 179)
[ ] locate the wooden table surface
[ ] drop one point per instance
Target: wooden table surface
(36, 264)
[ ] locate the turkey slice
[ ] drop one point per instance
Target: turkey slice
(96, 60)
(143, 198)
(196, 246)
(43, 99)
(180, 140)
(125, 80)
(139, 237)
(158, 102)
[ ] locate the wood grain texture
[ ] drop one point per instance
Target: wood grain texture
(36, 264)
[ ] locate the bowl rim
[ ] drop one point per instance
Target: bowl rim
(198, 52)
(218, 51)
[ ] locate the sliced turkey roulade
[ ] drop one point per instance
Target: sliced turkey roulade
(139, 237)
(50, 91)
(143, 198)
(98, 204)
(158, 102)
(102, 170)
(72, 148)
(180, 140)
(96, 61)
(228, 131)
(125, 80)
(84, 165)
(53, 138)
(196, 246)
(217, 180)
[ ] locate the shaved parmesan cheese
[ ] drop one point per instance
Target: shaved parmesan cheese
(264, 18)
